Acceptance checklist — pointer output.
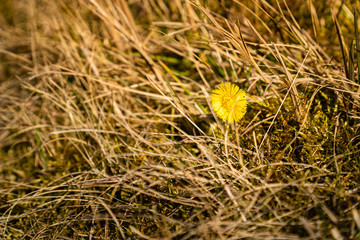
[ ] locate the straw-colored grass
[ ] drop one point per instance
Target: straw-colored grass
(107, 129)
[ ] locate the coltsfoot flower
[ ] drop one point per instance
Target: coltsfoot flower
(229, 102)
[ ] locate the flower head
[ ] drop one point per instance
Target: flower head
(229, 102)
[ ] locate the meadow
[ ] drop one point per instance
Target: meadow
(108, 129)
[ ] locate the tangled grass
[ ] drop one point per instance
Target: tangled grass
(107, 130)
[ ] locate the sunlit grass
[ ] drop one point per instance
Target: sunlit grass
(108, 131)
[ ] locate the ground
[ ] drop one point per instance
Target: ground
(107, 130)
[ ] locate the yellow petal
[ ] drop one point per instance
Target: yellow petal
(229, 102)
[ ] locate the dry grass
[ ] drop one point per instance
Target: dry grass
(106, 129)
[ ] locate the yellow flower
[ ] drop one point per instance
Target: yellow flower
(229, 102)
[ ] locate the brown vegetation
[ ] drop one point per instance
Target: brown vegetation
(106, 128)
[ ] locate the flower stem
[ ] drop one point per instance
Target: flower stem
(226, 140)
